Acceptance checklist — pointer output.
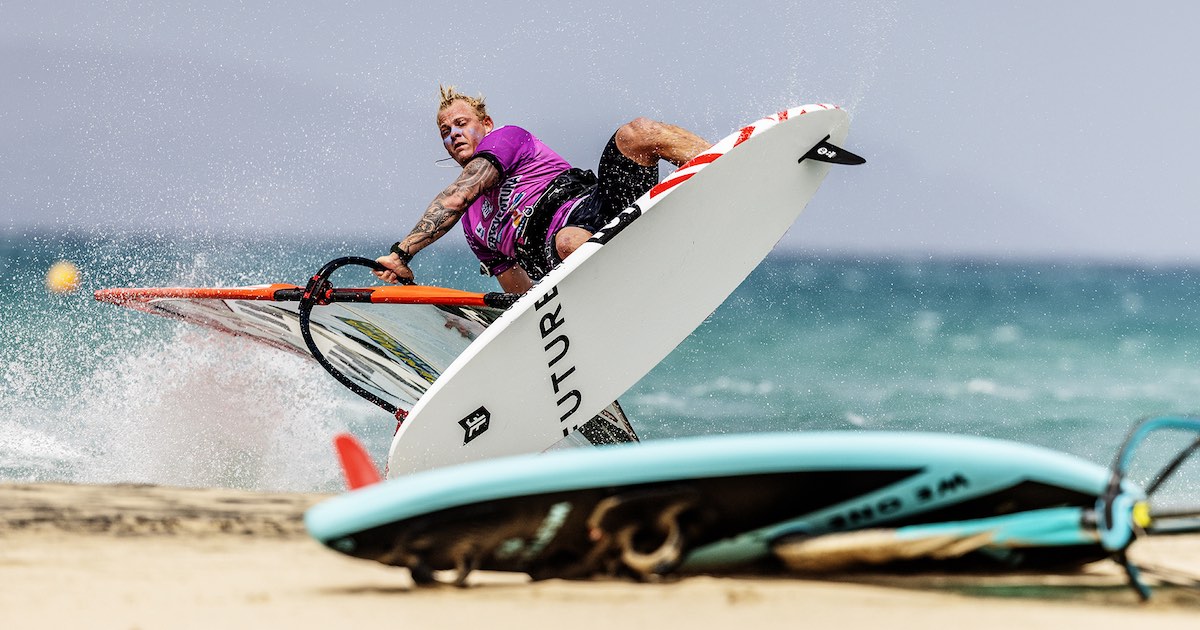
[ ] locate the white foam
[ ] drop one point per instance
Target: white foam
(726, 384)
(210, 410)
(34, 451)
(988, 387)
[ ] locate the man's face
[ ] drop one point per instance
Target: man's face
(462, 130)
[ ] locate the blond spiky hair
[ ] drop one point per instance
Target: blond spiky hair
(450, 94)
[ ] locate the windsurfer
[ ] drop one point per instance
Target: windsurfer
(522, 207)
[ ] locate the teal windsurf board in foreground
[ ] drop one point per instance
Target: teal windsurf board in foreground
(743, 502)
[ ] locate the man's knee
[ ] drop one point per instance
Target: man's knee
(569, 239)
(638, 140)
(637, 129)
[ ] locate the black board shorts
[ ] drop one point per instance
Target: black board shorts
(620, 182)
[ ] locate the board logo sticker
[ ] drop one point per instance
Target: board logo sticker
(825, 152)
(475, 424)
(618, 223)
(549, 323)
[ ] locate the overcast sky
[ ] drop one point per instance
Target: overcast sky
(1013, 129)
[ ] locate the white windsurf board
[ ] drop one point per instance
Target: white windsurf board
(615, 308)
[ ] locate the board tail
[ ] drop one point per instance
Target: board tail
(357, 465)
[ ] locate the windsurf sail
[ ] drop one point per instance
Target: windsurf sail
(388, 344)
(1121, 519)
(391, 342)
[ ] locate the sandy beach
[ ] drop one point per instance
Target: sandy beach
(131, 556)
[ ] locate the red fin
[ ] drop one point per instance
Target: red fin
(356, 463)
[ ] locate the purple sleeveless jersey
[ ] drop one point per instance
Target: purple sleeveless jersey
(497, 219)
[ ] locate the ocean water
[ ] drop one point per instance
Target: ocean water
(1063, 355)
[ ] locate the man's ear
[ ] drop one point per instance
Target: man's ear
(488, 124)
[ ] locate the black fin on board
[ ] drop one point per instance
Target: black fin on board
(826, 152)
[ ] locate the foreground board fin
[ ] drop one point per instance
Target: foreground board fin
(826, 152)
(356, 463)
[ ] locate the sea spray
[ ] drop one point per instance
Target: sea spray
(206, 410)
(95, 393)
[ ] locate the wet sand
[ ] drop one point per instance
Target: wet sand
(130, 556)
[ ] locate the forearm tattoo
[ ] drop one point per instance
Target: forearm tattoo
(448, 207)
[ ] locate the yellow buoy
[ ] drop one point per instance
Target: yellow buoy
(62, 277)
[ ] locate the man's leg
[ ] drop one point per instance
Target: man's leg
(647, 141)
(628, 168)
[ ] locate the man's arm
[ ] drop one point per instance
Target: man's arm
(446, 209)
(514, 280)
